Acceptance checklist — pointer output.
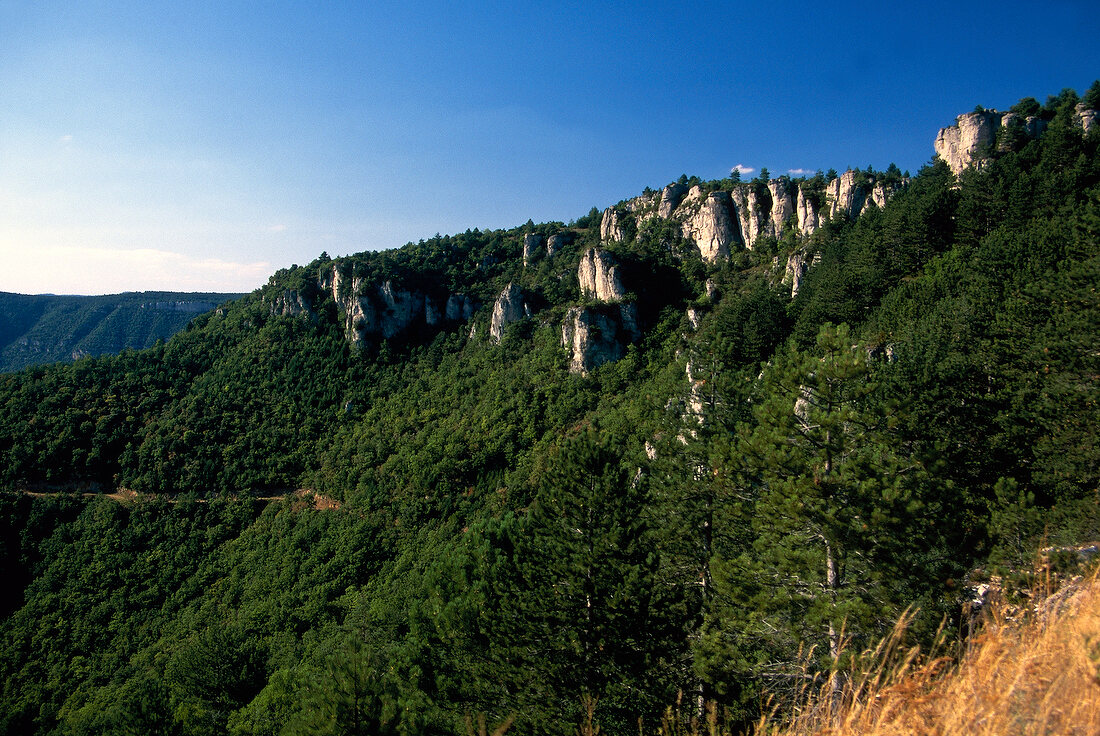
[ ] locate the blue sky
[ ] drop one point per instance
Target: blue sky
(202, 146)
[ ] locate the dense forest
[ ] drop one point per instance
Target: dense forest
(451, 529)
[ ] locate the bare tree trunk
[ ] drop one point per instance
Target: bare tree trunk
(832, 583)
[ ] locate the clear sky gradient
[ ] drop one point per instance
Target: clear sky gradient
(202, 146)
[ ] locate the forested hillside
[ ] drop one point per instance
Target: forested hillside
(652, 458)
(44, 328)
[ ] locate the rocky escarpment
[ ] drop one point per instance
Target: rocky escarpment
(532, 246)
(292, 303)
(708, 221)
(611, 229)
(598, 276)
(973, 137)
(511, 306)
(596, 334)
(372, 310)
(724, 220)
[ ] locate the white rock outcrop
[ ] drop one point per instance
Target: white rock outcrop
(844, 197)
(751, 217)
(511, 306)
(1086, 117)
(460, 308)
(611, 229)
(965, 141)
(798, 264)
(598, 276)
(597, 335)
(806, 212)
(292, 304)
(555, 243)
(783, 206)
(532, 246)
(670, 199)
(969, 141)
(710, 224)
(385, 311)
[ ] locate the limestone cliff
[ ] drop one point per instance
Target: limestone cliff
(806, 211)
(291, 303)
(708, 221)
(783, 207)
(845, 195)
(611, 229)
(751, 214)
(532, 246)
(670, 199)
(371, 310)
(511, 306)
(964, 142)
(599, 334)
(970, 140)
(555, 243)
(1086, 117)
(598, 276)
(723, 221)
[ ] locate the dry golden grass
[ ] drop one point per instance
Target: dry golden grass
(1038, 675)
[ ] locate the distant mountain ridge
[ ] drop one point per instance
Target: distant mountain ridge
(46, 328)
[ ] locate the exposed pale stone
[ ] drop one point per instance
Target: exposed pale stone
(597, 335)
(511, 306)
(611, 229)
(783, 208)
(844, 197)
(1086, 117)
(377, 310)
(806, 213)
(432, 314)
(598, 276)
(711, 226)
(532, 245)
(752, 220)
(795, 271)
(1031, 127)
(460, 308)
(967, 139)
(555, 243)
(292, 304)
(400, 308)
(670, 199)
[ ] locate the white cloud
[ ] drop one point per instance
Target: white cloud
(801, 172)
(65, 139)
(743, 169)
(280, 228)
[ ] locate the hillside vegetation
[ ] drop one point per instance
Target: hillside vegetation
(44, 328)
(566, 485)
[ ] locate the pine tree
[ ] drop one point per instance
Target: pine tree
(835, 497)
(576, 608)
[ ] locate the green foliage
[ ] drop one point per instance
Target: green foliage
(489, 536)
(36, 330)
